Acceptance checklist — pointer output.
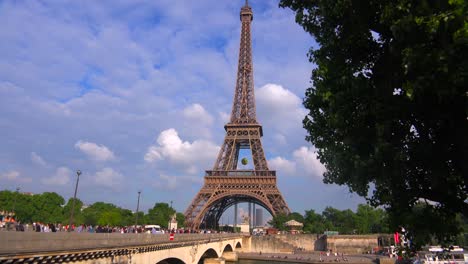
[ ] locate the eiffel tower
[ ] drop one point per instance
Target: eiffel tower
(226, 185)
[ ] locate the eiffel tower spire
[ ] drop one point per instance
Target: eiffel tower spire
(243, 108)
(226, 185)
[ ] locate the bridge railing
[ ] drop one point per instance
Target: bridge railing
(241, 173)
(27, 242)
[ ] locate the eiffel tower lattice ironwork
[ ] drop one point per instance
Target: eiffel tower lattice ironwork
(226, 185)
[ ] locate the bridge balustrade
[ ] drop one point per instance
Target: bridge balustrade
(241, 173)
(27, 242)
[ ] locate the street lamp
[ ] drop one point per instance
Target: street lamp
(78, 173)
(138, 207)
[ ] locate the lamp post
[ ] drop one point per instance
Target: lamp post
(138, 207)
(78, 173)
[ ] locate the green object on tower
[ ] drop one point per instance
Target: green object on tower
(244, 161)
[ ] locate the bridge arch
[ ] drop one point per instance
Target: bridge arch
(238, 245)
(171, 261)
(228, 248)
(213, 210)
(209, 253)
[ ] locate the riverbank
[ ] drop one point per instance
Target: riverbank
(312, 257)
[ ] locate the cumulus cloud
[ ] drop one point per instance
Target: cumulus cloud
(280, 139)
(11, 175)
(170, 147)
(61, 177)
(279, 107)
(224, 117)
(14, 176)
(122, 75)
(38, 159)
(94, 151)
(109, 178)
(197, 113)
(170, 182)
(304, 161)
(282, 165)
(307, 157)
(166, 182)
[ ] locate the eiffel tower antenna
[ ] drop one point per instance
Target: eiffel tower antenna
(226, 185)
(246, 2)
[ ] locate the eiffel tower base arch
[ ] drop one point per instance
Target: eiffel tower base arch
(220, 193)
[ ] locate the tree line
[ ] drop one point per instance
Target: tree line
(49, 207)
(370, 220)
(366, 220)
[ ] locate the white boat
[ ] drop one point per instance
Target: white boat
(439, 255)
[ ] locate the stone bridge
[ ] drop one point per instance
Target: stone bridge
(62, 247)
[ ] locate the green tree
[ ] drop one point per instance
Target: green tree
(370, 220)
(180, 217)
(110, 218)
(160, 214)
(278, 221)
(341, 221)
(314, 223)
(93, 214)
(78, 218)
(48, 207)
(18, 202)
(388, 107)
(128, 217)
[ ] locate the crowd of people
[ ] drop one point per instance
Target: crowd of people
(51, 227)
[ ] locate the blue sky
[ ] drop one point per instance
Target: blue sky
(135, 94)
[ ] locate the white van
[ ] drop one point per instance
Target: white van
(149, 229)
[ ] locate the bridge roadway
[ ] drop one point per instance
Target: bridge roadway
(63, 247)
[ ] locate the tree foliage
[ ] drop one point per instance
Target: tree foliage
(180, 217)
(49, 207)
(388, 110)
(160, 214)
(366, 220)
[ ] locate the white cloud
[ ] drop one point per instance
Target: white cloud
(94, 151)
(197, 113)
(61, 177)
(121, 75)
(280, 139)
(14, 176)
(224, 117)
(11, 175)
(38, 159)
(170, 182)
(109, 178)
(166, 182)
(283, 166)
(197, 121)
(171, 148)
(304, 162)
(279, 107)
(307, 157)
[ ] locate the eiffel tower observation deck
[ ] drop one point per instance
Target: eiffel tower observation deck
(225, 185)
